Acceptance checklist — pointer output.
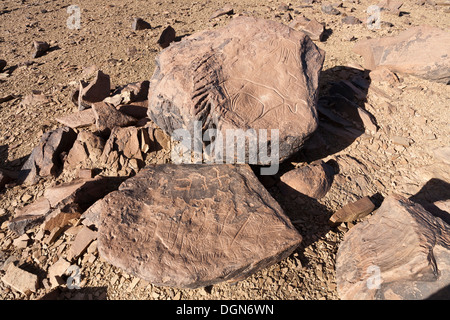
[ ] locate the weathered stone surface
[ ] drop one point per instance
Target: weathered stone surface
(95, 91)
(312, 180)
(78, 119)
(419, 51)
(250, 74)
(193, 225)
(136, 110)
(107, 117)
(311, 27)
(45, 159)
(353, 211)
(86, 151)
(70, 198)
(400, 252)
(122, 145)
(167, 37)
(83, 239)
(21, 280)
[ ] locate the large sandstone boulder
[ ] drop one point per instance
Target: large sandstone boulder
(250, 74)
(401, 252)
(419, 51)
(193, 225)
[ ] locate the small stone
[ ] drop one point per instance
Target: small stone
(329, 9)
(78, 119)
(140, 24)
(107, 117)
(167, 36)
(81, 243)
(352, 211)
(228, 9)
(351, 20)
(40, 48)
(21, 280)
(21, 242)
(311, 27)
(313, 181)
(406, 142)
(95, 91)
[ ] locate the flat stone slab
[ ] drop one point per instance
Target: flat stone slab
(251, 74)
(401, 252)
(190, 226)
(420, 51)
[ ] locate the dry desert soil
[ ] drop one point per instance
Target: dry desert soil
(374, 164)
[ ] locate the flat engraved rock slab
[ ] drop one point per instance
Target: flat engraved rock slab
(190, 226)
(402, 252)
(420, 51)
(251, 74)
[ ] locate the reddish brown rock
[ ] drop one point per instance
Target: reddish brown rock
(61, 203)
(352, 211)
(419, 51)
(311, 27)
(252, 73)
(400, 252)
(45, 159)
(313, 180)
(83, 239)
(108, 117)
(86, 151)
(78, 119)
(96, 91)
(122, 145)
(193, 225)
(167, 37)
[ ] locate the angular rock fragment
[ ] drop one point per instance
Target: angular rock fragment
(311, 27)
(401, 252)
(418, 51)
(83, 239)
(313, 180)
(167, 37)
(107, 117)
(122, 145)
(95, 91)
(21, 280)
(40, 48)
(228, 9)
(251, 74)
(45, 159)
(86, 151)
(193, 225)
(62, 203)
(140, 24)
(352, 211)
(352, 20)
(78, 119)
(132, 92)
(57, 270)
